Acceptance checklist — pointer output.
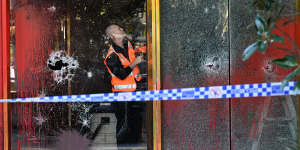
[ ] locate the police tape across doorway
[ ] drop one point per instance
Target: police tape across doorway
(201, 93)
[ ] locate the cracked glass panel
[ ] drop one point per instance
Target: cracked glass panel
(264, 122)
(58, 48)
(194, 53)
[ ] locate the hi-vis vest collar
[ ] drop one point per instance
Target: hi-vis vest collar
(111, 50)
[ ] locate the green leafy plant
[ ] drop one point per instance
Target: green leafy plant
(267, 14)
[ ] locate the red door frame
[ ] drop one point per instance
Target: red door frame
(5, 72)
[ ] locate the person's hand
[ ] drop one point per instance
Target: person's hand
(137, 61)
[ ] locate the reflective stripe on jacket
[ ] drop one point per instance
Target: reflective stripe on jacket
(128, 84)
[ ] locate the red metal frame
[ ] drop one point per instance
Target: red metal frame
(5, 76)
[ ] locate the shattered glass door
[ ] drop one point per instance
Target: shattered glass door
(204, 45)
(58, 48)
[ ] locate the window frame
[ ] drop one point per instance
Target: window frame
(154, 82)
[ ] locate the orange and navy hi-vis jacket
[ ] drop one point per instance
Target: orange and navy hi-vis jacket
(128, 84)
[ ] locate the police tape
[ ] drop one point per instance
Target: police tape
(201, 93)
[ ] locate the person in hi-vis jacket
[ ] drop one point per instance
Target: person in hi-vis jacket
(121, 64)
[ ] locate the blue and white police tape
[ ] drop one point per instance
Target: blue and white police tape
(201, 93)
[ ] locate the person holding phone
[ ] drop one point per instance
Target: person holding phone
(121, 63)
